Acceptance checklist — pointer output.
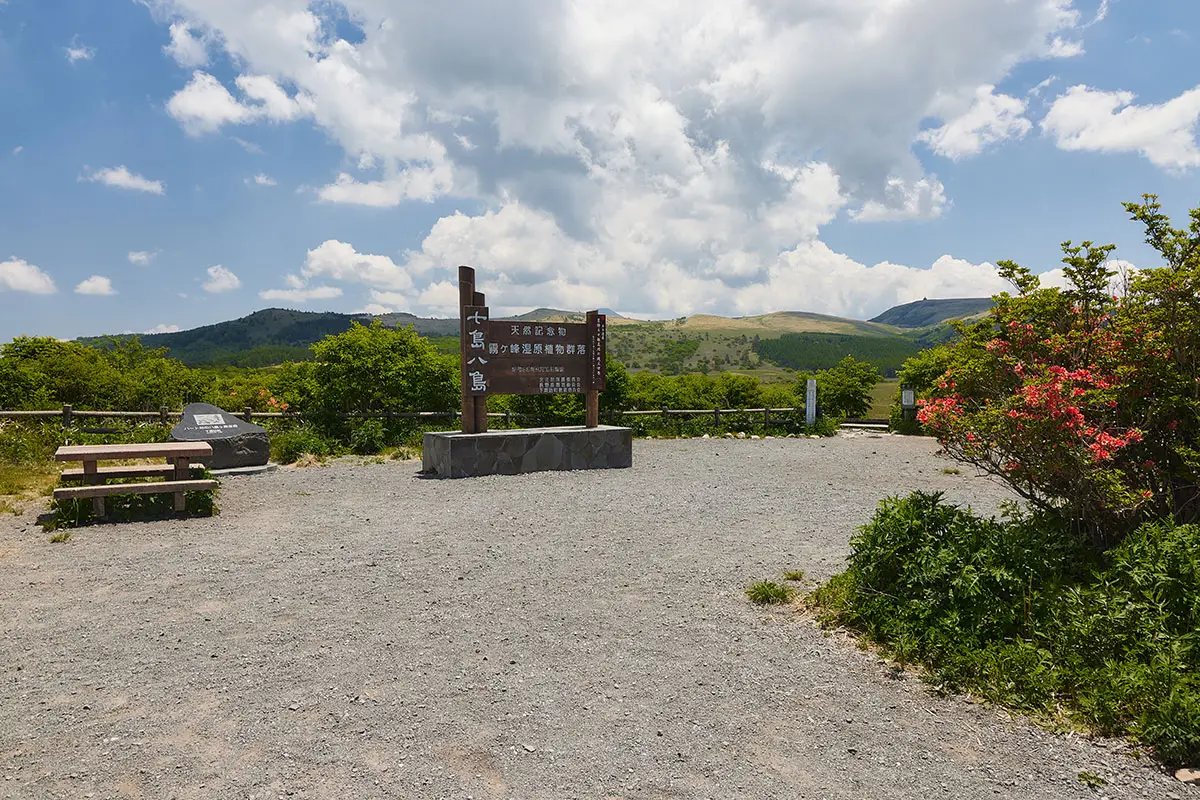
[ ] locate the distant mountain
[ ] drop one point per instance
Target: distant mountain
(549, 315)
(558, 315)
(426, 326)
(924, 313)
(782, 322)
(787, 339)
(272, 336)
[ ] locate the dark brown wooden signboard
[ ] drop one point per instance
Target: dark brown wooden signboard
(517, 357)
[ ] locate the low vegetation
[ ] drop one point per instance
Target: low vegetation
(1023, 612)
(1084, 604)
(74, 513)
(768, 593)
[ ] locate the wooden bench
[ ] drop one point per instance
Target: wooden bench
(176, 471)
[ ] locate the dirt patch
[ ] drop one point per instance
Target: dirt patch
(355, 630)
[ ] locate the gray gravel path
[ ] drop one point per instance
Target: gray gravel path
(357, 631)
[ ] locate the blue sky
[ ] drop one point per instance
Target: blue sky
(172, 164)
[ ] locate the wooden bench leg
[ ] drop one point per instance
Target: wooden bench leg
(91, 477)
(181, 474)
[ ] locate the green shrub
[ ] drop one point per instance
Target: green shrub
(1023, 612)
(367, 437)
(1084, 401)
(288, 445)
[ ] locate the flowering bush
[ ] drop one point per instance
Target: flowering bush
(1086, 400)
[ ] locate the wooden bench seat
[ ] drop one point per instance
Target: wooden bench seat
(109, 489)
(131, 471)
(112, 452)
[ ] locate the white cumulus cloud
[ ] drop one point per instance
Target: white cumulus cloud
(221, 280)
(121, 178)
(1107, 122)
(261, 179)
(644, 156)
(187, 49)
(339, 261)
(18, 275)
(142, 258)
(96, 284)
(204, 105)
(990, 119)
(79, 52)
(301, 295)
(163, 328)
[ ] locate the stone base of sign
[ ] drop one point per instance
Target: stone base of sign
(452, 454)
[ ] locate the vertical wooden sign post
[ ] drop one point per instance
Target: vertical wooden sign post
(473, 350)
(520, 357)
(597, 336)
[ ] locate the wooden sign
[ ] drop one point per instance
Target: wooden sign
(519, 357)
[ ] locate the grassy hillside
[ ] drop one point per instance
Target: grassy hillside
(814, 351)
(771, 346)
(271, 336)
(925, 313)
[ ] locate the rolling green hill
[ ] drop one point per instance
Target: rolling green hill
(924, 313)
(814, 351)
(770, 345)
(271, 336)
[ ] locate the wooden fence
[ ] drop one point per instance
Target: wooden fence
(165, 415)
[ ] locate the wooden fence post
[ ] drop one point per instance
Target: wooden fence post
(716, 418)
(249, 412)
(766, 419)
(162, 414)
(66, 415)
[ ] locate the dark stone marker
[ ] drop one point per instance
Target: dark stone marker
(235, 443)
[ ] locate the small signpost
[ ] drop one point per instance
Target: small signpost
(517, 357)
(908, 402)
(810, 402)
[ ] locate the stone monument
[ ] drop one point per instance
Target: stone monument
(518, 357)
(235, 442)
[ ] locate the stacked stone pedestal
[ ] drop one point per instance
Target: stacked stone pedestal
(451, 454)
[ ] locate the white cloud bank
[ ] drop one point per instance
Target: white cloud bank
(95, 285)
(221, 280)
(1107, 122)
(659, 158)
(78, 52)
(301, 295)
(18, 275)
(121, 178)
(991, 118)
(163, 328)
(187, 49)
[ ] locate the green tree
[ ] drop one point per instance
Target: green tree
(844, 390)
(376, 369)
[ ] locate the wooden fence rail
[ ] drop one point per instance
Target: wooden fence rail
(164, 415)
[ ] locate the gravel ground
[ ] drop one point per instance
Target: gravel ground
(357, 631)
